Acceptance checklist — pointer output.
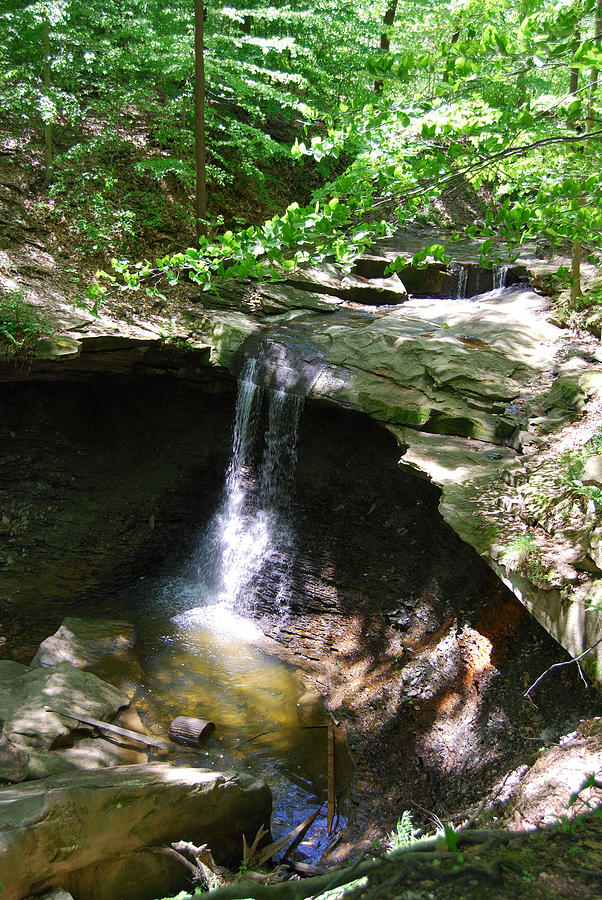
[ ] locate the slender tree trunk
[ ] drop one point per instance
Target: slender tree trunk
(593, 76)
(48, 165)
(385, 40)
(574, 77)
(200, 203)
(576, 272)
(589, 125)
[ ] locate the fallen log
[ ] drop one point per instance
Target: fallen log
(189, 731)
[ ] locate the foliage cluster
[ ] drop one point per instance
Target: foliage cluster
(120, 98)
(500, 102)
(498, 95)
(523, 555)
(555, 496)
(404, 832)
(19, 321)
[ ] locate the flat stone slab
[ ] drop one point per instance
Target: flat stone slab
(376, 290)
(92, 833)
(24, 700)
(83, 642)
(446, 366)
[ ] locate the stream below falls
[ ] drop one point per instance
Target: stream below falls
(206, 663)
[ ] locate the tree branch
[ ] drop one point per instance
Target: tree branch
(566, 662)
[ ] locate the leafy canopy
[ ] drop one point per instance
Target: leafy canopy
(477, 96)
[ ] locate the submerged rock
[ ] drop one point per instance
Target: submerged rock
(311, 709)
(96, 834)
(83, 642)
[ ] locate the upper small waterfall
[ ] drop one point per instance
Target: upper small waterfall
(500, 277)
(462, 283)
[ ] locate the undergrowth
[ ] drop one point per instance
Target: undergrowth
(404, 833)
(522, 555)
(19, 322)
(555, 496)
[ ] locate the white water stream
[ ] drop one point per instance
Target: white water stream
(251, 533)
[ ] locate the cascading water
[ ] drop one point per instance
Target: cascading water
(500, 277)
(250, 536)
(208, 660)
(462, 283)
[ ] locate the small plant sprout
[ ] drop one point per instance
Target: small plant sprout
(404, 833)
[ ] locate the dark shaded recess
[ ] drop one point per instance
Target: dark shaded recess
(369, 536)
(101, 482)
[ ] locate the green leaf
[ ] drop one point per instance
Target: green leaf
(587, 55)
(451, 837)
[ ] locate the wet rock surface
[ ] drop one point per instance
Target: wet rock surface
(83, 642)
(32, 702)
(94, 833)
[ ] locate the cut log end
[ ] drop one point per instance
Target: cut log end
(190, 732)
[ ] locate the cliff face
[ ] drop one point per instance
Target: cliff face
(482, 394)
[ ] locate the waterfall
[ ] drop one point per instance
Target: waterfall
(462, 283)
(500, 277)
(250, 541)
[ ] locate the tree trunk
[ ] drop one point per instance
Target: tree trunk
(200, 203)
(593, 77)
(385, 40)
(574, 78)
(576, 272)
(47, 125)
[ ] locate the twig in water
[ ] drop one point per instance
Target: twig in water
(254, 738)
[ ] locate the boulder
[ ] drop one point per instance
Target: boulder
(96, 753)
(561, 772)
(277, 298)
(56, 347)
(327, 279)
(83, 642)
(10, 669)
(19, 763)
(24, 702)
(592, 472)
(96, 834)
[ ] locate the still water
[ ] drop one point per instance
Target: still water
(205, 662)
